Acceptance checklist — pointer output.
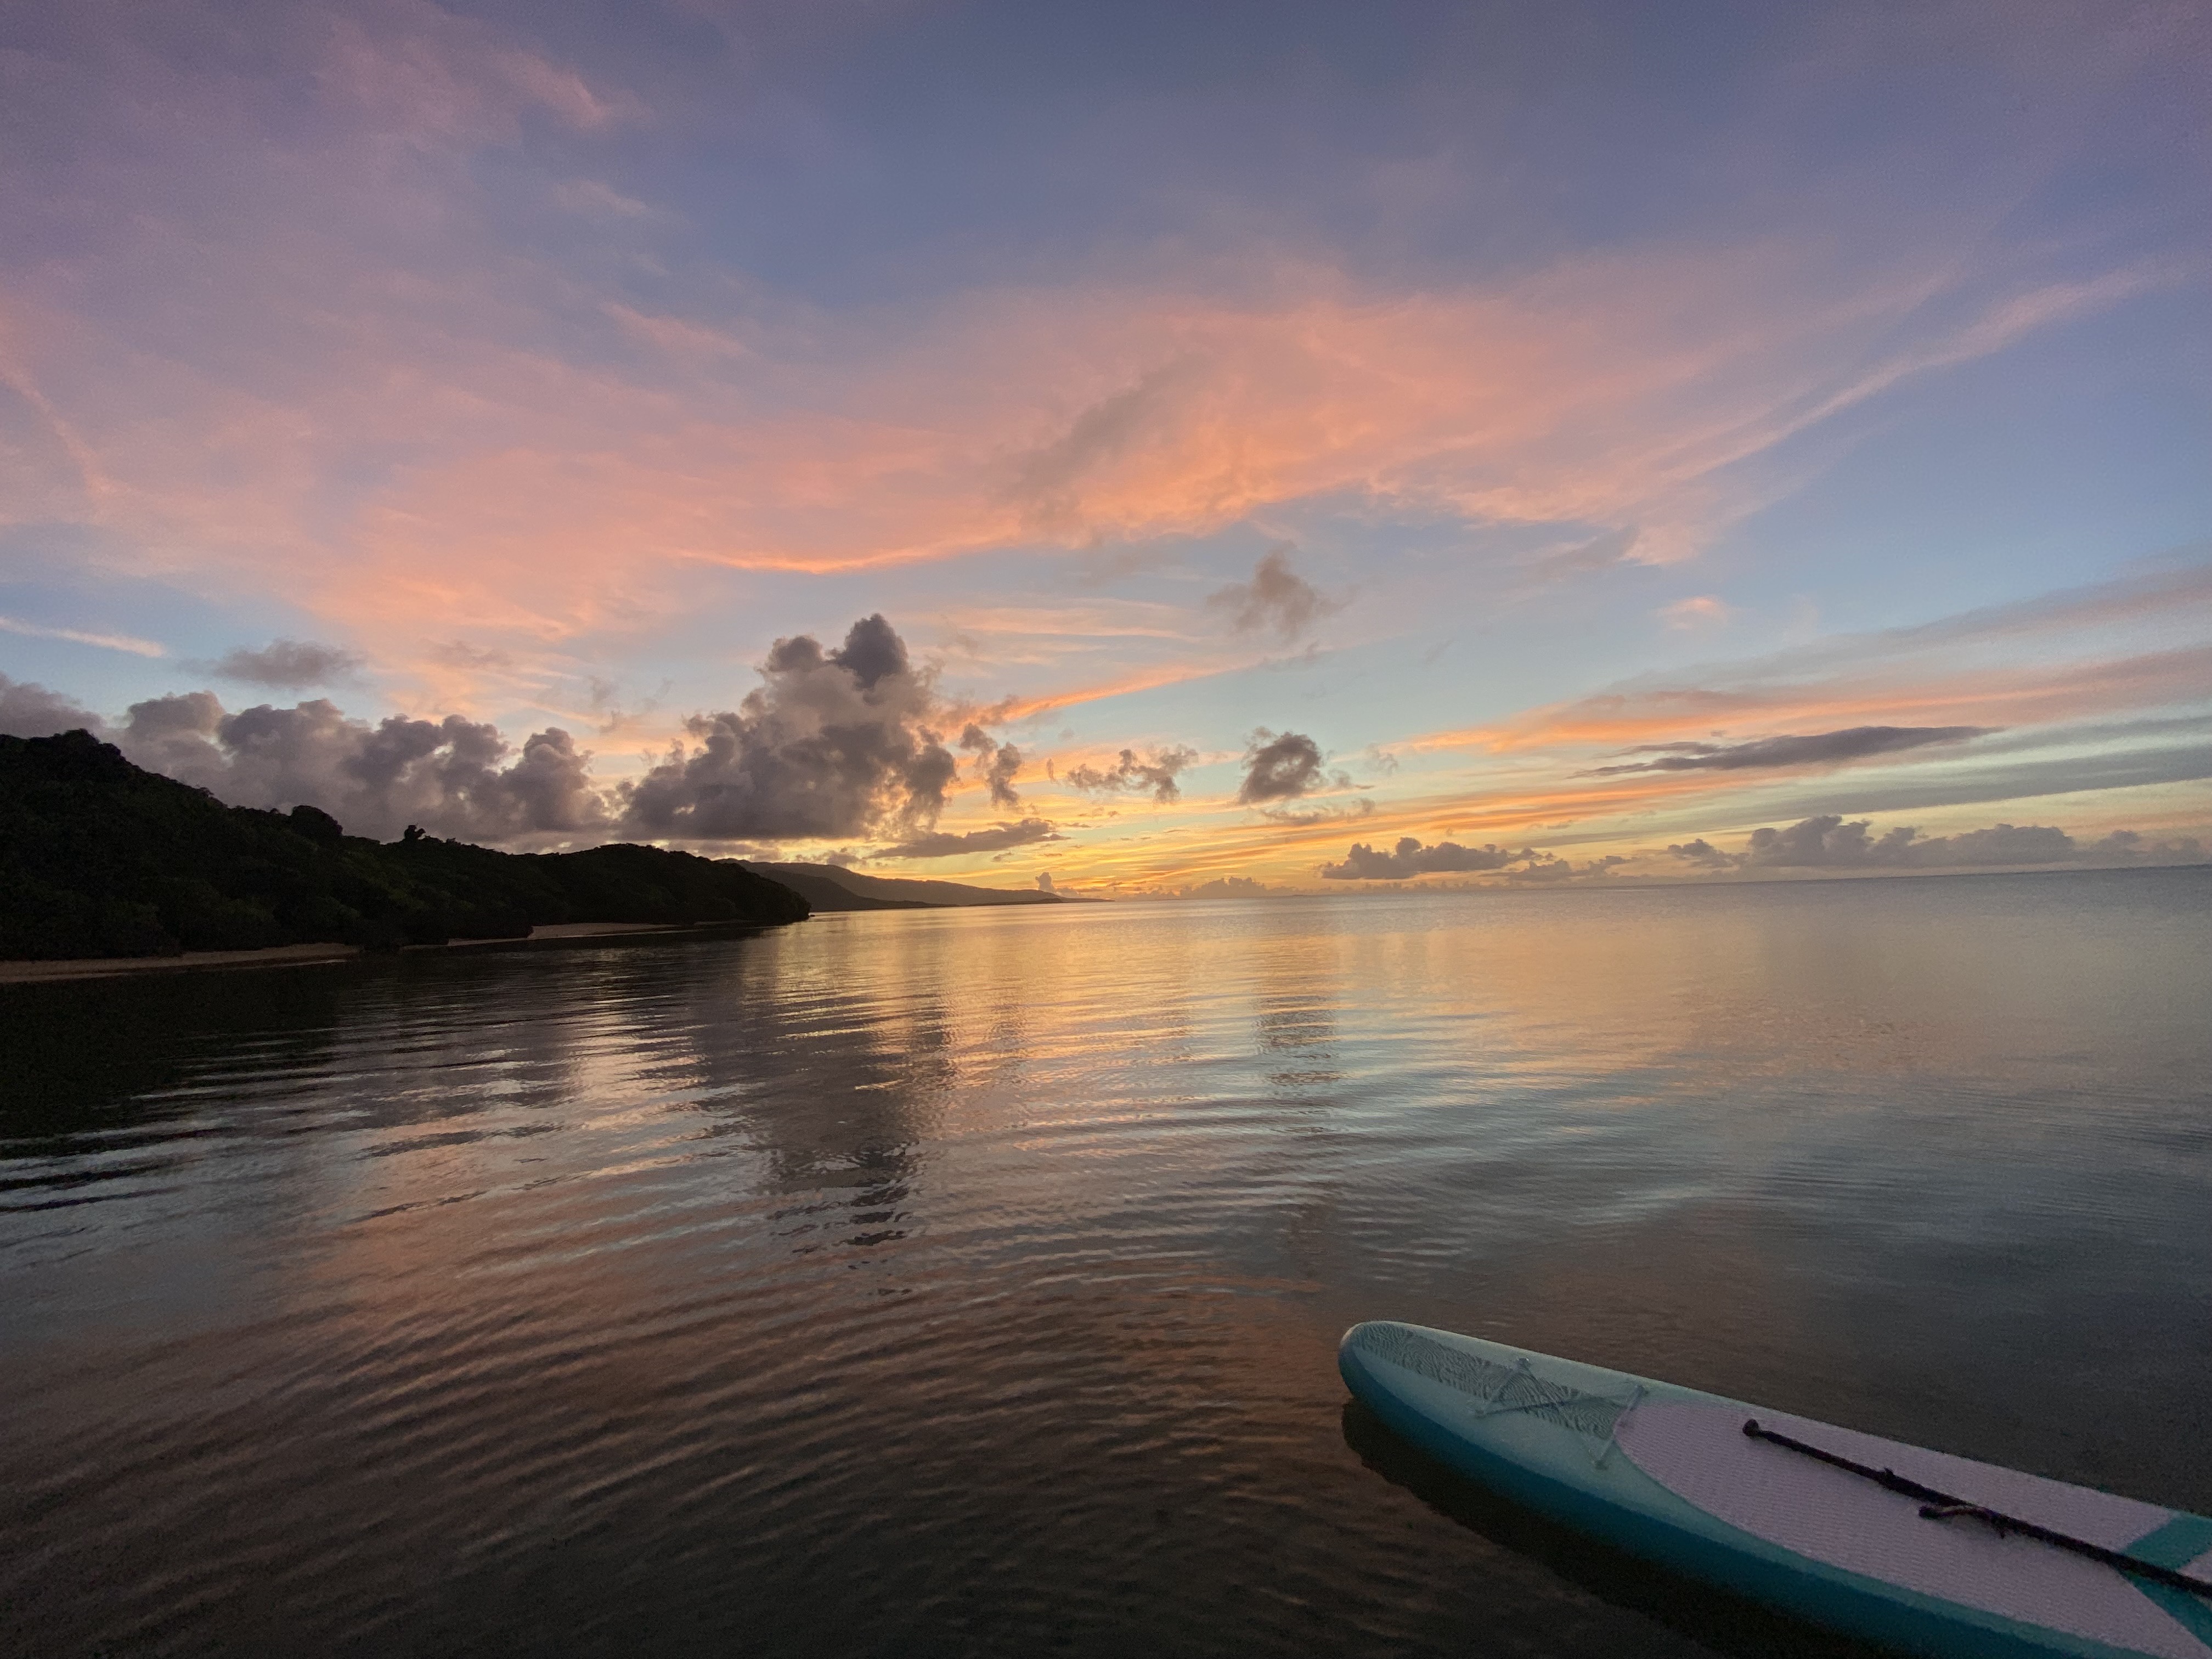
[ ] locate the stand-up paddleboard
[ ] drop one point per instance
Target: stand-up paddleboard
(1914, 1549)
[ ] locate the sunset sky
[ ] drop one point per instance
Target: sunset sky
(1328, 444)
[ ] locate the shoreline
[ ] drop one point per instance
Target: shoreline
(326, 955)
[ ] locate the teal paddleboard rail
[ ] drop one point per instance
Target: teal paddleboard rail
(1794, 1516)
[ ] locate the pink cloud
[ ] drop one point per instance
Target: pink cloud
(544, 493)
(356, 392)
(1702, 611)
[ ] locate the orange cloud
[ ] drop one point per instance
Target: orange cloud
(1992, 696)
(1534, 797)
(543, 495)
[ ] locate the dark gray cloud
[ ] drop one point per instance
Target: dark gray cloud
(1280, 768)
(833, 744)
(287, 664)
(1044, 881)
(29, 710)
(1131, 776)
(1410, 859)
(1704, 854)
(2067, 775)
(1820, 749)
(1276, 601)
(1049, 481)
(939, 844)
(1830, 842)
(454, 777)
(996, 764)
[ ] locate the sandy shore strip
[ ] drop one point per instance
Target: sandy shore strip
(281, 956)
(560, 930)
(290, 956)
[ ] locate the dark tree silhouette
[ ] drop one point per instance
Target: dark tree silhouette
(100, 858)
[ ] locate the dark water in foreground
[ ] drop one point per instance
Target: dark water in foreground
(969, 1281)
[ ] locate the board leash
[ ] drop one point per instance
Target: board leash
(1944, 1506)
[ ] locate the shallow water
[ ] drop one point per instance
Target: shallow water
(969, 1281)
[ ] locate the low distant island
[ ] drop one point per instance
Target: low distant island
(101, 858)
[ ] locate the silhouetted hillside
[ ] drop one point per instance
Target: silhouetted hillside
(827, 887)
(100, 858)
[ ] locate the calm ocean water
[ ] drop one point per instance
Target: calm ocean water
(969, 1281)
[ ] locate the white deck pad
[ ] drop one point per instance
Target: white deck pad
(1829, 1515)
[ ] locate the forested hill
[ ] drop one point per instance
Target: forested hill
(100, 858)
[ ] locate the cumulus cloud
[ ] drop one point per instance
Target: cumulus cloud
(29, 710)
(1545, 868)
(1277, 600)
(1236, 887)
(938, 844)
(1283, 768)
(1829, 841)
(454, 777)
(996, 764)
(1130, 776)
(289, 665)
(1820, 749)
(1410, 859)
(833, 744)
(2131, 847)
(1044, 881)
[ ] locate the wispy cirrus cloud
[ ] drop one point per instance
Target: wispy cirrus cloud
(1820, 749)
(130, 643)
(542, 493)
(1867, 693)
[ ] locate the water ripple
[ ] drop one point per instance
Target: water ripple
(968, 1281)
